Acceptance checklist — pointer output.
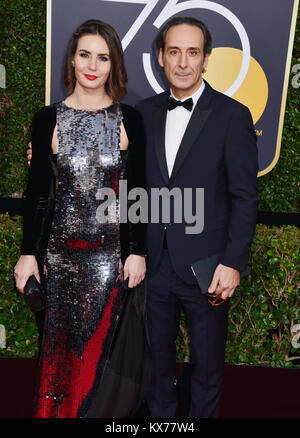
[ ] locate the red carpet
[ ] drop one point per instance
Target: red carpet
(260, 392)
(249, 392)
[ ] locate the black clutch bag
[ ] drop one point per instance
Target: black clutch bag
(34, 294)
(204, 270)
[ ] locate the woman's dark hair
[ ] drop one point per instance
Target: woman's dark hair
(116, 83)
(161, 37)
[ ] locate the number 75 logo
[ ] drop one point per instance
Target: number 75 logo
(171, 8)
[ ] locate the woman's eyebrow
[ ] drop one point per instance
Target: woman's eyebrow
(87, 51)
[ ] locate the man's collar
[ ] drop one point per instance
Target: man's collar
(194, 96)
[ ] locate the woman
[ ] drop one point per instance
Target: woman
(93, 141)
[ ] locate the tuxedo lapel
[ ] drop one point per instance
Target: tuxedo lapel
(196, 123)
(160, 116)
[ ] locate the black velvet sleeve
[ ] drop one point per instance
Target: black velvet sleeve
(133, 235)
(40, 174)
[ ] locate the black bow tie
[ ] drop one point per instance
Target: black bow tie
(173, 103)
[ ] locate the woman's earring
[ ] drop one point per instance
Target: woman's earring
(73, 65)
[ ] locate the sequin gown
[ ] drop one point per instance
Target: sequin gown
(83, 291)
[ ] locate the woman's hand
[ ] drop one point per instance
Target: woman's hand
(135, 269)
(25, 267)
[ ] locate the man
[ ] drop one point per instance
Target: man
(210, 145)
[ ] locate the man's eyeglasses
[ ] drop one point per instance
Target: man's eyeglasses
(214, 299)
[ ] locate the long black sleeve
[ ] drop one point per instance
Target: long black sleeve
(134, 233)
(40, 175)
(241, 143)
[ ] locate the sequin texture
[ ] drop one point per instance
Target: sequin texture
(83, 291)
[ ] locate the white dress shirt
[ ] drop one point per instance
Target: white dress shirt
(176, 123)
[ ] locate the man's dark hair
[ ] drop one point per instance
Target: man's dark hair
(161, 37)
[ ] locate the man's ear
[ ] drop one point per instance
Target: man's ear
(205, 62)
(160, 58)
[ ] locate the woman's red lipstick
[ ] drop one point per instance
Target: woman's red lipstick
(91, 77)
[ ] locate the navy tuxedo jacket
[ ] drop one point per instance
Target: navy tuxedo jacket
(219, 154)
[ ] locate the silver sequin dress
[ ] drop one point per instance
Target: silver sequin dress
(82, 260)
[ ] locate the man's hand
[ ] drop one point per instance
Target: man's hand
(224, 282)
(29, 153)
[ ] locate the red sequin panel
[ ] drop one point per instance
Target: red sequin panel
(66, 378)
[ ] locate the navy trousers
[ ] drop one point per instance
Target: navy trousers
(207, 329)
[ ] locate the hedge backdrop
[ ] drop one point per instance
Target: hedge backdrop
(265, 310)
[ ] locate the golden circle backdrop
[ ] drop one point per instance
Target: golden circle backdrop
(223, 67)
